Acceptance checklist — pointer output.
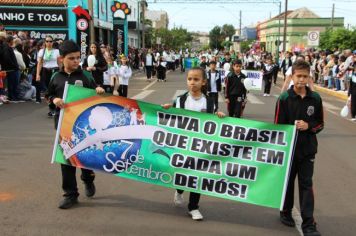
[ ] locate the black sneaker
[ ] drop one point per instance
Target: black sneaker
(50, 114)
(287, 219)
(89, 189)
(311, 230)
(68, 202)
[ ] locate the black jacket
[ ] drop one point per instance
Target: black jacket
(8, 60)
(98, 74)
(267, 74)
(283, 66)
(234, 85)
(291, 107)
(218, 81)
(59, 79)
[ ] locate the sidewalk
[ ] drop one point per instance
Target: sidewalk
(339, 94)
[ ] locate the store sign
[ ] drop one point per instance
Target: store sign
(42, 34)
(39, 17)
(313, 38)
(83, 36)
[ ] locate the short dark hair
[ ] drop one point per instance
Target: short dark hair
(300, 65)
(212, 62)
(237, 62)
(205, 77)
(68, 46)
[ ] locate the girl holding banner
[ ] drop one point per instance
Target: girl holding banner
(196, 100)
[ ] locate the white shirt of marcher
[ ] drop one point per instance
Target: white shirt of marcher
(213, 78)
(52, 63)
(149, 60)
(125, 74)
(193, 104)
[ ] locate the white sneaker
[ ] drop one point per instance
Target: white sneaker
(264, 95)
(353, 119)
(178, 199)
(267, 95)
(196, 215)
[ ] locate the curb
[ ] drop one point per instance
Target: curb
(340, 95)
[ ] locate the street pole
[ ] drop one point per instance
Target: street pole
(91, 23)
(332, 17)
(285, 27)
(279, 31)
(143, 8)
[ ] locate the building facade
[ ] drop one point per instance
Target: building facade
(299, 23)
(159, 19)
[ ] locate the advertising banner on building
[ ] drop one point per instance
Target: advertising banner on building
(236, 159)
(31, 16)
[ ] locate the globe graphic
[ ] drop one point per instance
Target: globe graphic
(100, 118)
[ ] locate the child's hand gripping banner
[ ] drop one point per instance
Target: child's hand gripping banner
(236, 159)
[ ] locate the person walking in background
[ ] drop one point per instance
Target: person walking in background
(125, 73)
(149, 62)
(48, 63)
(161, 70)
(268, 71)
(235, 91)
(100, 66)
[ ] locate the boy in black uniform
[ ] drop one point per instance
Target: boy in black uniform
(71, 73)
(302, 107)
(235, 91)
(214, 84)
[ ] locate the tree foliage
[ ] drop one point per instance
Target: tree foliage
(340, 38)
(216, 38)
(175, 38)
(218, 35)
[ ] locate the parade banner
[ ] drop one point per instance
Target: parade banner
(230, 158)
(256, 78)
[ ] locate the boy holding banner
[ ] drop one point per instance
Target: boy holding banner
(71, 74)
(302, 107)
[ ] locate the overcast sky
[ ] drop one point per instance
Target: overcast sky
(203, 17)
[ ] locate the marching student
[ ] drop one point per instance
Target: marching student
(214, 84)
(70, 56)
(302, 107)
(204, 64)
(195, 99)
(125, 74)
(161, 70)
(268, 71)
(235, 91)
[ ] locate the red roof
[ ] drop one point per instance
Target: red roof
(34, 2)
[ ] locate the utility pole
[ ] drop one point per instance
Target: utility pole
(240, 22)
(91, 22)
(143, 9)
(279, 31)
(285, 27)
(332, 17)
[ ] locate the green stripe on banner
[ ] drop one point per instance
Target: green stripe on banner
(236, 159)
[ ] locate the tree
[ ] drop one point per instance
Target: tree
(175, 38)
(341, 38)
(228, 31)
(216, 37)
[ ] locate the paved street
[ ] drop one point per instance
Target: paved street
(30, 187)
